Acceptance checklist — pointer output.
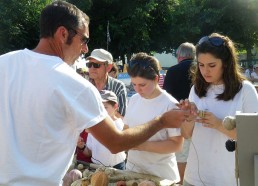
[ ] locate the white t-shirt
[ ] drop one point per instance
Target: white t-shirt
(139, 111)
(45, 105)
(100, 154)
(254, 75)
(208, 157)
(247, 73)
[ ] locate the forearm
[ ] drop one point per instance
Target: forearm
(136, 135)
(232, 134)
(162, 147)
(117, 141)
(187, 129)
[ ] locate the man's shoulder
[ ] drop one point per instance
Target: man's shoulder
(114, 80)
(185, 63)
(182, 64)
(11, 53)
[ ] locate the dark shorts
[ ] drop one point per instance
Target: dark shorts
(120, 166)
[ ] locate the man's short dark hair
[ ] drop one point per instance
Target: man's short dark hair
(61, 13)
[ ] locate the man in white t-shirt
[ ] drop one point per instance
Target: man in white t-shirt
(45, 104)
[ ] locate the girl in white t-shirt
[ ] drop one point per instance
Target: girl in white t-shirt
(219, 90)
(157, 155)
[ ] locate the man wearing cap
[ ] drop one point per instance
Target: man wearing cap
(100, 62)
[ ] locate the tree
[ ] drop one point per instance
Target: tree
(135, 25)
(242, 19)
(19, 24)
(234, 18)
(138, 25)
(128, 21)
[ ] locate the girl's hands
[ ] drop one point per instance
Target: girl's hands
(209, 120)
(190, 108)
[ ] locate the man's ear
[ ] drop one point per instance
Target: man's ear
(61, 34)
(109, 67)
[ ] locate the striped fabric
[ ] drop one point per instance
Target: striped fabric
(161, 80)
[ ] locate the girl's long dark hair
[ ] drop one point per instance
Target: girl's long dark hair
(232, 76)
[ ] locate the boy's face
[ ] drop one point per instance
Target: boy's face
(110, 109)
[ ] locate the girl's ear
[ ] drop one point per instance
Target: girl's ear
(156, 78)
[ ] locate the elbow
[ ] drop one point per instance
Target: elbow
(116, 145)
(114, 149)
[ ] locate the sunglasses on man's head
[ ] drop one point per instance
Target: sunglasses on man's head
(94, 65)
(215, 41)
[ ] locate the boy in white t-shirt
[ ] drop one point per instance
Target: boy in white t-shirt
(100, 154)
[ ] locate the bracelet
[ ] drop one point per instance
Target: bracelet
(82, 149)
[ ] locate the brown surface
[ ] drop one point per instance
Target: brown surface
(256, 86)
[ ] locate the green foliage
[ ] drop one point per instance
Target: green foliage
(19, 24)
(138, 25)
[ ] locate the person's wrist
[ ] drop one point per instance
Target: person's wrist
(220, 126)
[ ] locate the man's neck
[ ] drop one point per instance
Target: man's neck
(100, 83)
(180, 59)
(49, 46)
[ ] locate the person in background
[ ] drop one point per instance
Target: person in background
(99, 153)
(81, 155)
(45, 104)
(161, 76)
(219, 90)
(114, 71)
(177, 81)
(100, 62)
(156, 156)
(178, 84)
(249, 71)
(79, 152)
(254, 74)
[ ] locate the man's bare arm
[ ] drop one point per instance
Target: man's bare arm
(117, 141)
